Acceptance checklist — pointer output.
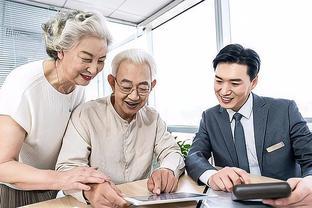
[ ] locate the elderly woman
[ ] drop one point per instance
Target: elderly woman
(35, 105)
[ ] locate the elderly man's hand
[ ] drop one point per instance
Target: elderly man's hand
(301, 195)
(105, 195)
(162, 180)
(228, 177)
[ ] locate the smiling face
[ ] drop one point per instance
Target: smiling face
(232, 85)
(131, 88)
(84, 61)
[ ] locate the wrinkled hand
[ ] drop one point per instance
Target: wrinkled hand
(228, 177)
(301, 195)
(105, 195)
(77, 178)
(162, 180)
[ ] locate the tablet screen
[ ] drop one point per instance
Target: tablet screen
(165, 198)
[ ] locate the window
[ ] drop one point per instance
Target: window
(280, 32)
(184, 48)
(21, 38)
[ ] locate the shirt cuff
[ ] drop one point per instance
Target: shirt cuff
(175, 162)
(77, 195)
(206, 175)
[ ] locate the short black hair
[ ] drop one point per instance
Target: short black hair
(235, 53)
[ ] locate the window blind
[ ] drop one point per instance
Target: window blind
(21, 38)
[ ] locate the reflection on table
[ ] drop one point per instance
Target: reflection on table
(138, 188)
(220, 199)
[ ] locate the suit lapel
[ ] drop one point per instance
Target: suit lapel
(225, 126)
(260, 114)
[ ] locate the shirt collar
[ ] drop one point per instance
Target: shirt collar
(245, 110)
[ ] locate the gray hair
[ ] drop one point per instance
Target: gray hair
(136, 56)
(67, 28)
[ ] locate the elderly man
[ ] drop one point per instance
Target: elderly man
(119, 134)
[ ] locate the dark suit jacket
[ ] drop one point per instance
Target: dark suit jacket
(275, 120)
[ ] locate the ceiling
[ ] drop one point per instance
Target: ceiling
(132, 12)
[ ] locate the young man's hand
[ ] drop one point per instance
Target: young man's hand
(301, 195)
(227, 177)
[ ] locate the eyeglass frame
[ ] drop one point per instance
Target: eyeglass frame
(122, 90)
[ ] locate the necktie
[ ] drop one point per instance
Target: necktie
(240, 143)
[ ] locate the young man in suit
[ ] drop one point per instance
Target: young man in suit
(247, 133)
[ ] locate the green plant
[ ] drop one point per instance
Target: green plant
(184, 147)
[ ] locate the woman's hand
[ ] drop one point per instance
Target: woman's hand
(78, 178)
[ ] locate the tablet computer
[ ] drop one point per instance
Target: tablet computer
(164, 198)
(261, 191)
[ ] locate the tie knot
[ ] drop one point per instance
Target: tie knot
(237, 116)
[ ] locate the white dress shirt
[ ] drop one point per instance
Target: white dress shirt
(247, 123)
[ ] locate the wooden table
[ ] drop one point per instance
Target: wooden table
(186, 184)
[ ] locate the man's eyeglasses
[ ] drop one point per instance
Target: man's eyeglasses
(127, 88)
